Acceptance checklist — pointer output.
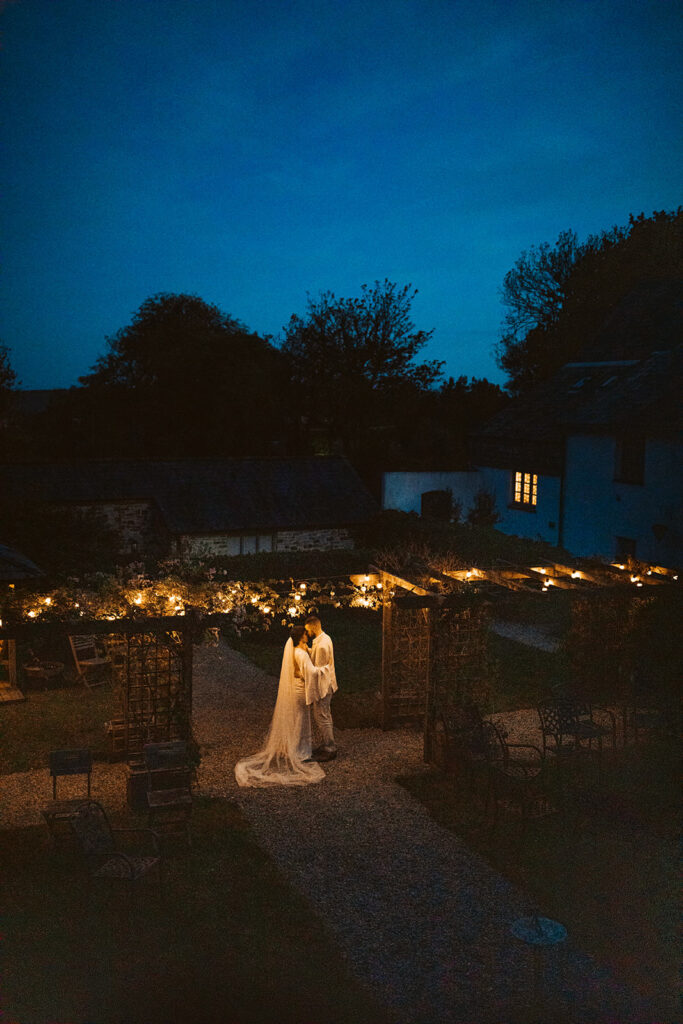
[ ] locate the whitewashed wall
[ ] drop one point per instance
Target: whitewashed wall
(598, 509)
(541, 523)
(403, 491)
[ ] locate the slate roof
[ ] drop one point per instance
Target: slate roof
(208, 495)
(628, 381)
(597, 396)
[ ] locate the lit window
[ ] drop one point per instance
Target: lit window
(525, 489)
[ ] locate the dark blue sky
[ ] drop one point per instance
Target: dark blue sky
(251, 151)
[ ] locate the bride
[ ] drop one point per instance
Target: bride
(285, 759)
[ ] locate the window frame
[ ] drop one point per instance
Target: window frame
(629, 461)
(524, 488)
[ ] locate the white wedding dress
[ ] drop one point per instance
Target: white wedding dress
(288, 744)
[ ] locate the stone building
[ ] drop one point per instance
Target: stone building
(193, 508)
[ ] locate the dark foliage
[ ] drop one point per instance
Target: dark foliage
(182, 378)
(60, 540)
(8, 378)
(353, 364)
(558, 297)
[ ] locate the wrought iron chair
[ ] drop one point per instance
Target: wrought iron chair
(169, 787)
(100, 847)
(92, 663)
(465, 747)
(517, 778)
(514, 772)
(58, 812)
(566, 718)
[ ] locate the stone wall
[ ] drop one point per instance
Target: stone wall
(137, 524)
(313, 540)
(219, 545)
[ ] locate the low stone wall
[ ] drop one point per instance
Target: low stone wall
(227, 545)
(313, 540)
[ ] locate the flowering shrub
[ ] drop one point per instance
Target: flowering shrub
(248, 605)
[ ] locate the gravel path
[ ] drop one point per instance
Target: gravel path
(421, 918)
(523, 633)
(416, 914)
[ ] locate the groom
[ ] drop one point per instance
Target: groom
(322, 655)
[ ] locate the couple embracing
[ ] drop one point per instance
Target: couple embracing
(307, 682)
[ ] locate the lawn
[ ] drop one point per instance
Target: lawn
(231, 942)
(357, 637)
(523, 675)
(51, 720)
(75, 717)
(605, 866)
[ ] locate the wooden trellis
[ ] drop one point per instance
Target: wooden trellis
(434, 642)
(154, 692)
(152, 665)
(433, 651)
(406, 635)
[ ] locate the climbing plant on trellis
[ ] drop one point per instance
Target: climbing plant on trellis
(433, 650)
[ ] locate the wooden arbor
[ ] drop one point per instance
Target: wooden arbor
(433, 649)
(154, 678)
(152, 668)
(434, 631)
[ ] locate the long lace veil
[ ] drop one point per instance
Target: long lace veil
(279, 763)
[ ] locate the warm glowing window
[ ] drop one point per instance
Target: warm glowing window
(525, 489)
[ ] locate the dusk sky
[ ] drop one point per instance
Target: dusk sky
(253, 152)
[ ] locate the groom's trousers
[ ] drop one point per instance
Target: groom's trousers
(322, 716)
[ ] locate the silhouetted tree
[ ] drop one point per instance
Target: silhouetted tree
(184, 378)
(353, 361)
(558, 297)
(8, 378)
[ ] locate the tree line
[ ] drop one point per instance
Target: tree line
(183, 378)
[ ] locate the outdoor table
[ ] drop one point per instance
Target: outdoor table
(539, 933)
(44, 671)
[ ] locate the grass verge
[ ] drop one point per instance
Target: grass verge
(605, 865)
(357, 637)
(231, 942)
(53, 720)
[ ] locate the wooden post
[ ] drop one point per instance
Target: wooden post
(427, 744)
(191, 626)
(386, 635)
